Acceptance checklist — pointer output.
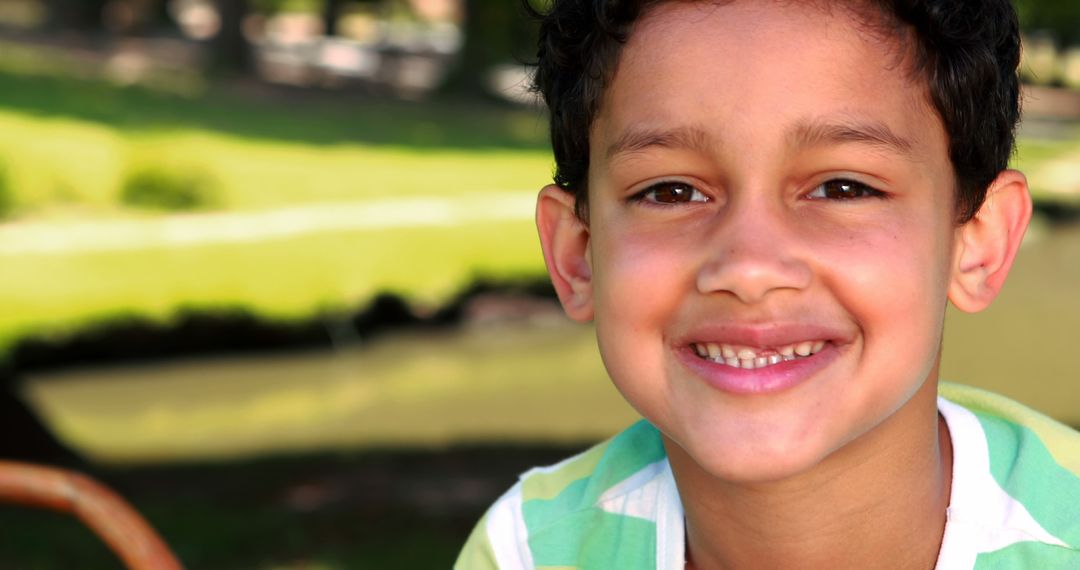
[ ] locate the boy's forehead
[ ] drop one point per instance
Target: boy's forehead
(803, 29)
(686, 63)
(872, 17)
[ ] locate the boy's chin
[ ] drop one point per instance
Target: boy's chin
(746, 465)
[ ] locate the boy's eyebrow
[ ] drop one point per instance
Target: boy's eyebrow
(640, 138)
(809, 134)
(805, 134)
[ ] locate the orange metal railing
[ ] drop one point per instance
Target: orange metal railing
(110, 517)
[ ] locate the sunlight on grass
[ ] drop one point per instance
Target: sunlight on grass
(58, 162)
(63, 167)
(494, 385)
(1052, 167)
(288, 278)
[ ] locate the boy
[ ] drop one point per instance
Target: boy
(765, 207)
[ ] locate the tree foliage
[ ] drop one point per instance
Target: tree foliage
(1059, 18)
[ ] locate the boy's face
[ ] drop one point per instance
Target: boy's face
(768, 179)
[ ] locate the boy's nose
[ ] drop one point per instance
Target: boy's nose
(751, 255)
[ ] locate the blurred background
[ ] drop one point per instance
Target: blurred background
(268, 269)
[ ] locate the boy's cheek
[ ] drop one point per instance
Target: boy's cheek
(639, 251)
(898, 251)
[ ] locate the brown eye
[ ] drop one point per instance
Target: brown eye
(844, 190)
(673, 193)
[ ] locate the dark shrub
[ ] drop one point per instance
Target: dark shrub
(7, 193)
(169, 188)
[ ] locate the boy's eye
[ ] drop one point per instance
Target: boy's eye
(841, 189)
(671, 193)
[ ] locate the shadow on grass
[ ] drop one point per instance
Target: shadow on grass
(373, 509)
(1061, 211)
(213, 332)
(280, 113)
(205, 332)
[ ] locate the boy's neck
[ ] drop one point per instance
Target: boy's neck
(882, 497)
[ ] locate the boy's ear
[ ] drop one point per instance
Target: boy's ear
(987, 244)
(565, 240)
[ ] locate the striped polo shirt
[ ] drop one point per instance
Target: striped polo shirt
(1015, 500)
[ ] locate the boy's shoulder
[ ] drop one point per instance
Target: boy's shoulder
(1015, 498)
(607, 504)
(1016, 435)
(577, 483)
(1016, 481)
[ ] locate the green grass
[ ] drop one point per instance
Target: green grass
(63, 162)
(72, 139)
(490, 385)
(71, 136)
(1052, 167)
(289, 278)
(54, 84)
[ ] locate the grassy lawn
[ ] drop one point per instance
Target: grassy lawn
(73, 140)
(491, 385)
(55, 165)
(293, 277)
(1052, 168)
(71, 143)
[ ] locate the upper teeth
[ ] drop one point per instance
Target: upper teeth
(751, 358)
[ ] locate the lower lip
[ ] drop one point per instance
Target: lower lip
(768, 380)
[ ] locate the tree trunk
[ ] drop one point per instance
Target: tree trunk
(496, 31)
(161, 17)
(231, 54)
(75, 15)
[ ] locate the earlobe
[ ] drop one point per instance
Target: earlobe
(987, 244)
(565, 241)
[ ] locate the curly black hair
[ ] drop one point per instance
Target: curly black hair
(966, 51)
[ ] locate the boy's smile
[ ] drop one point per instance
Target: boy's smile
(771, 230)
(765, 360)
